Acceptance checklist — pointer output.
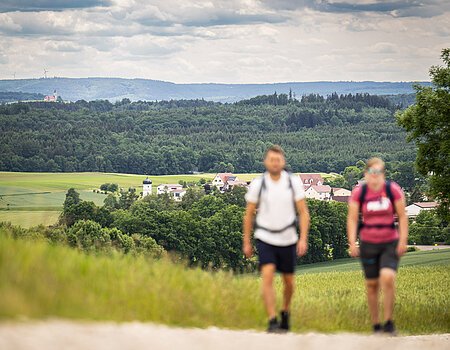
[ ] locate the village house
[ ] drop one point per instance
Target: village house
(414, 209)
(339, 194)
(174, 190)
(311, 180)
(321, 192)
(226, 181)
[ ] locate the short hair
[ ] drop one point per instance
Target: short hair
(374, 160)
(275, 149)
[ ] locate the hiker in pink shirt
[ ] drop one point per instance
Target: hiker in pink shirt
(381, 243)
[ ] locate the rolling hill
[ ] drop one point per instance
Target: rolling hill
(114, 89)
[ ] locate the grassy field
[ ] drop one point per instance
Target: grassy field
(29, 199)
(21, 194)
(431, 257)
(29, 218)
(38, 280)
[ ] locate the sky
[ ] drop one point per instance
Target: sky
(233, 41)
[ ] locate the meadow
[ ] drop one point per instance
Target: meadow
(39, 280)
(29, 199)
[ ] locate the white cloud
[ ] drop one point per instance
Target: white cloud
(232, 41)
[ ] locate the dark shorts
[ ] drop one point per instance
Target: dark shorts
(375, 256)
(284, 258)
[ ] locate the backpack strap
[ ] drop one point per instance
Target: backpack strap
(389, 193)
(291, 187)
(263, 187)
(362, 198)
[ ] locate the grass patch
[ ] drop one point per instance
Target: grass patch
(431, 257)
(39, 280)
(30, 218)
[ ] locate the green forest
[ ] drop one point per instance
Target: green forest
(319, 133)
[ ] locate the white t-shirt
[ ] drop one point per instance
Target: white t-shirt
(276, 207)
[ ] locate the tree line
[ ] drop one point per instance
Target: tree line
(173, 137)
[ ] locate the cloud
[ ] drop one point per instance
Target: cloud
(395, 8)
(48, 5)
(225, 41)
(384, 48)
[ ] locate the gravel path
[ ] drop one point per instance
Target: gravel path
(61, 334)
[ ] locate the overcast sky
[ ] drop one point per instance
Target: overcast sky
(233, 41)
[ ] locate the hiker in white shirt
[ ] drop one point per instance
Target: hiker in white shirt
(274, 201)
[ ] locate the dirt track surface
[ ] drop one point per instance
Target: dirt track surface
(60, 334)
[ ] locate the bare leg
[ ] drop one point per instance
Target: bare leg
(387, 281)
(372, 286)
(288, 279)
(268, 292)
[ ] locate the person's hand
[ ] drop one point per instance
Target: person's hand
(302, 247)
(247, 249)
(354, 250)
(401, 248)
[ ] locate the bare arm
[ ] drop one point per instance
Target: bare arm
(403, 225)
(352, 227)
(303, 212)
(247, 228)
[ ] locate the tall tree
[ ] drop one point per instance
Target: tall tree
(427, 124)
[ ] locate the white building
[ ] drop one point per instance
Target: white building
(175, 190)
(166, 188)
(220, 179)
(341, 192)
(178, 194)
(321, 192)
(146, 187)
(226, 181)
(414, 209)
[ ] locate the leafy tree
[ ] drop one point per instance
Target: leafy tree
(351, 175)
(89, 236)
(111, 202)
(127, 198)
(72, 197)
(427, 125)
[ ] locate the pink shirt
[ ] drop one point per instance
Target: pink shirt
(378, 210)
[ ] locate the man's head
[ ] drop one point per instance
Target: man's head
(374, 173)
(274, 159)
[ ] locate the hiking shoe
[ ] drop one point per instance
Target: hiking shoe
(273, 326)
(377, 329)
(389, 328)
(284, 324)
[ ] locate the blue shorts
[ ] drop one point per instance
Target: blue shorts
(284, 258)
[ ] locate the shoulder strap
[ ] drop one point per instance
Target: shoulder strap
(362, 198)
(389, 193)
(362, 195)
(291, 187)
(263, 186)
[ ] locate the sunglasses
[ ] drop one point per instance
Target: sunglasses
(375, 171)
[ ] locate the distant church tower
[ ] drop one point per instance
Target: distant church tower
(146, 187)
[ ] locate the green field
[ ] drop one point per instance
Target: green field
(29, 218)
(21, 194)
(38, 280)
(430, 257)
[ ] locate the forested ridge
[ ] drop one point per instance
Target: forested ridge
(173, 137)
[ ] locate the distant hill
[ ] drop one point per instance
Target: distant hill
(19, 96)
(114, 89)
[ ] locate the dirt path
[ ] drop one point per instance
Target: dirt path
(60, 334)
